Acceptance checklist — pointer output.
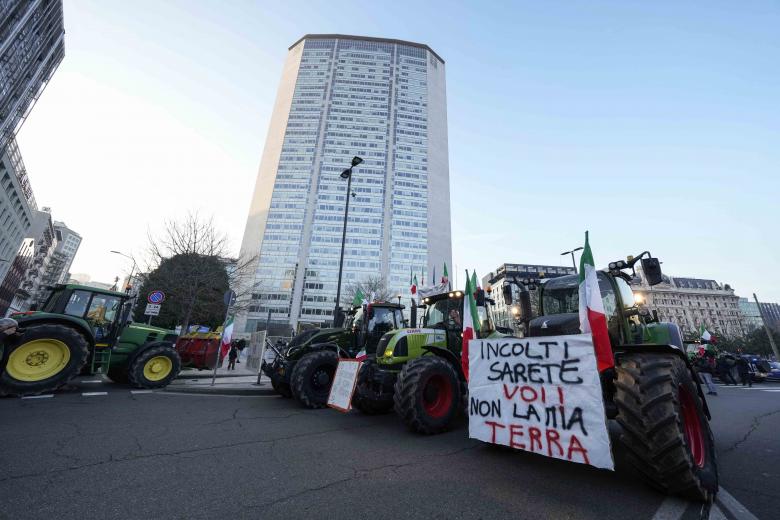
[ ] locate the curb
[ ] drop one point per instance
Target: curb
(216, 390)
(208, 374)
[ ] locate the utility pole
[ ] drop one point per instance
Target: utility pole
(767, 329)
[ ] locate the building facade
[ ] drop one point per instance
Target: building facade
(32, 35)
(16, 206)
(771, 314)
(343, 96)
(67, 244)
(502, 313)
(751, 316)
(693, 303)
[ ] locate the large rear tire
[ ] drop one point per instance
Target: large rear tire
(312, 376)
(155, 367)
(46, 357)
(366, 399)
(665, 431)
(427, 395)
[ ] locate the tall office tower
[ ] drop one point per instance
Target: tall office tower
(32, 34)
(343, 96)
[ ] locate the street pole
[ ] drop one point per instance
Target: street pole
(767, 329)
(348, 175)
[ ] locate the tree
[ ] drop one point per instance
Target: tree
(189, 262)
(371, 285)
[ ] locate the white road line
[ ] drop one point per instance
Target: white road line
(141, 391)
(672, 508)
(733, 507)
(96, 381)
(770, 390)
(90, 394)
(45, 396)
(716, 513)
(211, 395)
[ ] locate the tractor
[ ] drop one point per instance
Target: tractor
(304, 369)
(652, 391)
(418, 371)
(82, 330)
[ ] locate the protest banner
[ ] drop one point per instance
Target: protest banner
(541, 395)
(343, 386)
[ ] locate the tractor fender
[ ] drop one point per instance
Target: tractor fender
(59, 320)
(668, 349)
(146, 346)
(330, 346)
(448, 355)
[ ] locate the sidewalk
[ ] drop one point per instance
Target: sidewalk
(227, 382)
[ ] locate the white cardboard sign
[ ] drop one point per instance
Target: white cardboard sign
(343, 386)
(541, 395)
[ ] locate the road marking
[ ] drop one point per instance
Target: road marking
(141, 391)
(733, 507)
(716, 513)
(90, 394)
(45, 396)
(204, 394)
(672, 508)
(770, 390)
(96, 381)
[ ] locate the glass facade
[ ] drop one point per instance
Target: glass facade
(351, 97)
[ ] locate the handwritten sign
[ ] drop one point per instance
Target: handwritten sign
(541, 395)
(343, 386)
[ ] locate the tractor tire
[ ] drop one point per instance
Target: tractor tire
(282, 389)
(665, 432)
(366, 400)
(155, 367)
(312, 377)
(46, 357)
(427, 395)
(118, 375)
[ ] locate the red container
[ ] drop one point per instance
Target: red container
(198, 350)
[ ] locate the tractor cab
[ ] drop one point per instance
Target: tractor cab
(445, 311)
(370, 322)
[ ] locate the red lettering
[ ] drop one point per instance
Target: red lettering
(544, 396)
(535, 434)
(552, 439)
(560, 395)
(526, 399)
(507, 394)
(575, 446)
(516, 429)
(494, 425)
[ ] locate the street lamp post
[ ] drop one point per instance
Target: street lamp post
(132, 269)
(573, 262)
(346, 174)
(399, 299)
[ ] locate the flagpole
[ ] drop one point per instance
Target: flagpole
(221, 337)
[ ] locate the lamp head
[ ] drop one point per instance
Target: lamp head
(356, 160)
(346, 173)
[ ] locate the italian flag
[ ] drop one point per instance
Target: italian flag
(446, 276)
(227, 336)
(705, 334)
(359, 298)
(470, 324)
(412, 283)
(593, 320)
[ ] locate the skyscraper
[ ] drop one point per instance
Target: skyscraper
(341, 96)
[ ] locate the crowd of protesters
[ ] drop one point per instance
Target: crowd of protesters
(730, 369)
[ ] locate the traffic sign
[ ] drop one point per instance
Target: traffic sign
(156, 297)
(152, 309)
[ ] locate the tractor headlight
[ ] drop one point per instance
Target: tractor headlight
(389, 352)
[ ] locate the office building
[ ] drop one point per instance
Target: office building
(32, 35)
(67, 244)
(342, 96)
(16, 206)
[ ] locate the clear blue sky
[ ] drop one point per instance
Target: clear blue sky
(655, 125)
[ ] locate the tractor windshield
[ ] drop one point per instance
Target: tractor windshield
(384, 319)
(446, 313)
(561, 295)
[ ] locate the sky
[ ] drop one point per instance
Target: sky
(654, 125)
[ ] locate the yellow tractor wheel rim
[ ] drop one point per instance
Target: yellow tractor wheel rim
(38, 359)
(157, 368)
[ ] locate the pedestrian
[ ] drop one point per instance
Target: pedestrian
(743, 369)
(724, 371)
(232, 356)
(704, 367)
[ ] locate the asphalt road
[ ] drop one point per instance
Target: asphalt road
(161, 455)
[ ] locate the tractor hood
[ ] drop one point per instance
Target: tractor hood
(555, 325)
(402, 344)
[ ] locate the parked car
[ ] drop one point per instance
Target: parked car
(774, 371)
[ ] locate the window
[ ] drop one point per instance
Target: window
(77, 304)
(627, 295)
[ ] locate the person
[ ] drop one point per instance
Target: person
(704, 369)
(743, 369)
(232, 356)
(724, 371)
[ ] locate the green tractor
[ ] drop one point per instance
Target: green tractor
(84, 330)
(418, 371)
(304, 369)
(652, 391)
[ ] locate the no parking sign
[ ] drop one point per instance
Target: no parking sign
(156, 297)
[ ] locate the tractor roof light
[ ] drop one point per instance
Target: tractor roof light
(451, 295)
(458, 294)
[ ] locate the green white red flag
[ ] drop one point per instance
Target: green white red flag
(227, 337)
(470, 324)
(446, 276)
(593, 319)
